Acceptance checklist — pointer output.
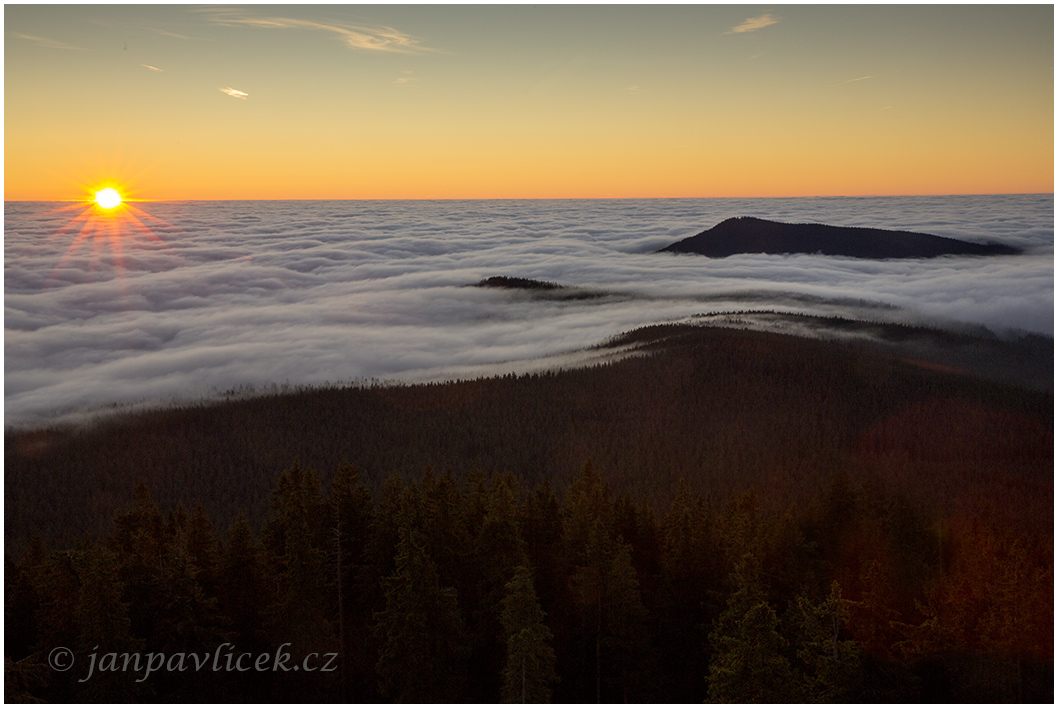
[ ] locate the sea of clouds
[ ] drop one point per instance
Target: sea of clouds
(229, 295)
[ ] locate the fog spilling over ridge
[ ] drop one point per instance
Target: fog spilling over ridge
(231, 294)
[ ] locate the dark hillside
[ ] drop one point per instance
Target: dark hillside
(749, 235)
(728, 515)
(722, 408)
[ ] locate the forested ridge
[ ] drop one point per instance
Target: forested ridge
(729, 515)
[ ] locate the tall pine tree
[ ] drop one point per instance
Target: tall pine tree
(530, 668)
(423, 651)
(605, 589)
(748, 664)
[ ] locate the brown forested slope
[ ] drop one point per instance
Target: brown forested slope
(723, 409)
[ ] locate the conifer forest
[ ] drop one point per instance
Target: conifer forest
(725, 516)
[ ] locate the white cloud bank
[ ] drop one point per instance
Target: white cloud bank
(260, 293)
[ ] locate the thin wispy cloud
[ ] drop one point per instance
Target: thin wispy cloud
(49, 43)
(407, 80)
(378, 39)
(148, 66)
(168, 33)
(862, 78)
(754, 23)
(234, 93)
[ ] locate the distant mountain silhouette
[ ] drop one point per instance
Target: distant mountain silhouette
(749, 235)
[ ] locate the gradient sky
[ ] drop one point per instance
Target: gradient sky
(401, 101)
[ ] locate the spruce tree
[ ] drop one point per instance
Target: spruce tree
(748, 664)
(530, 668)
(831, 662)
(604, 587)
(689, 559)
(203, 548)
(496, 550)
(139, 545)
(295, 562)
(540, 527)
(352, 517)
(423, 653)
(241, 583)
(103, 621)
(243, 596)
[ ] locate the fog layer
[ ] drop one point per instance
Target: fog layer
(223, 295)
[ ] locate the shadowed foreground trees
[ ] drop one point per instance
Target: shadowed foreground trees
(384, 584)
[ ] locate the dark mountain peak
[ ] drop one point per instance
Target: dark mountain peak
(752, 235)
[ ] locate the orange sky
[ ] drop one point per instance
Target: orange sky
(339, 102)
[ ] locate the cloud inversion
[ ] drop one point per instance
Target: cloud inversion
(263, 293)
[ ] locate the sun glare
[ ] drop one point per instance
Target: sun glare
(106, 221)
(108, 198)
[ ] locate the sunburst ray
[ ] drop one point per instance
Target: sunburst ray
(109, 223)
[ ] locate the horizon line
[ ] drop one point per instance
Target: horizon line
(539, 199)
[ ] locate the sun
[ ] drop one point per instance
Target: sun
(108, 198)
(105, 220)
